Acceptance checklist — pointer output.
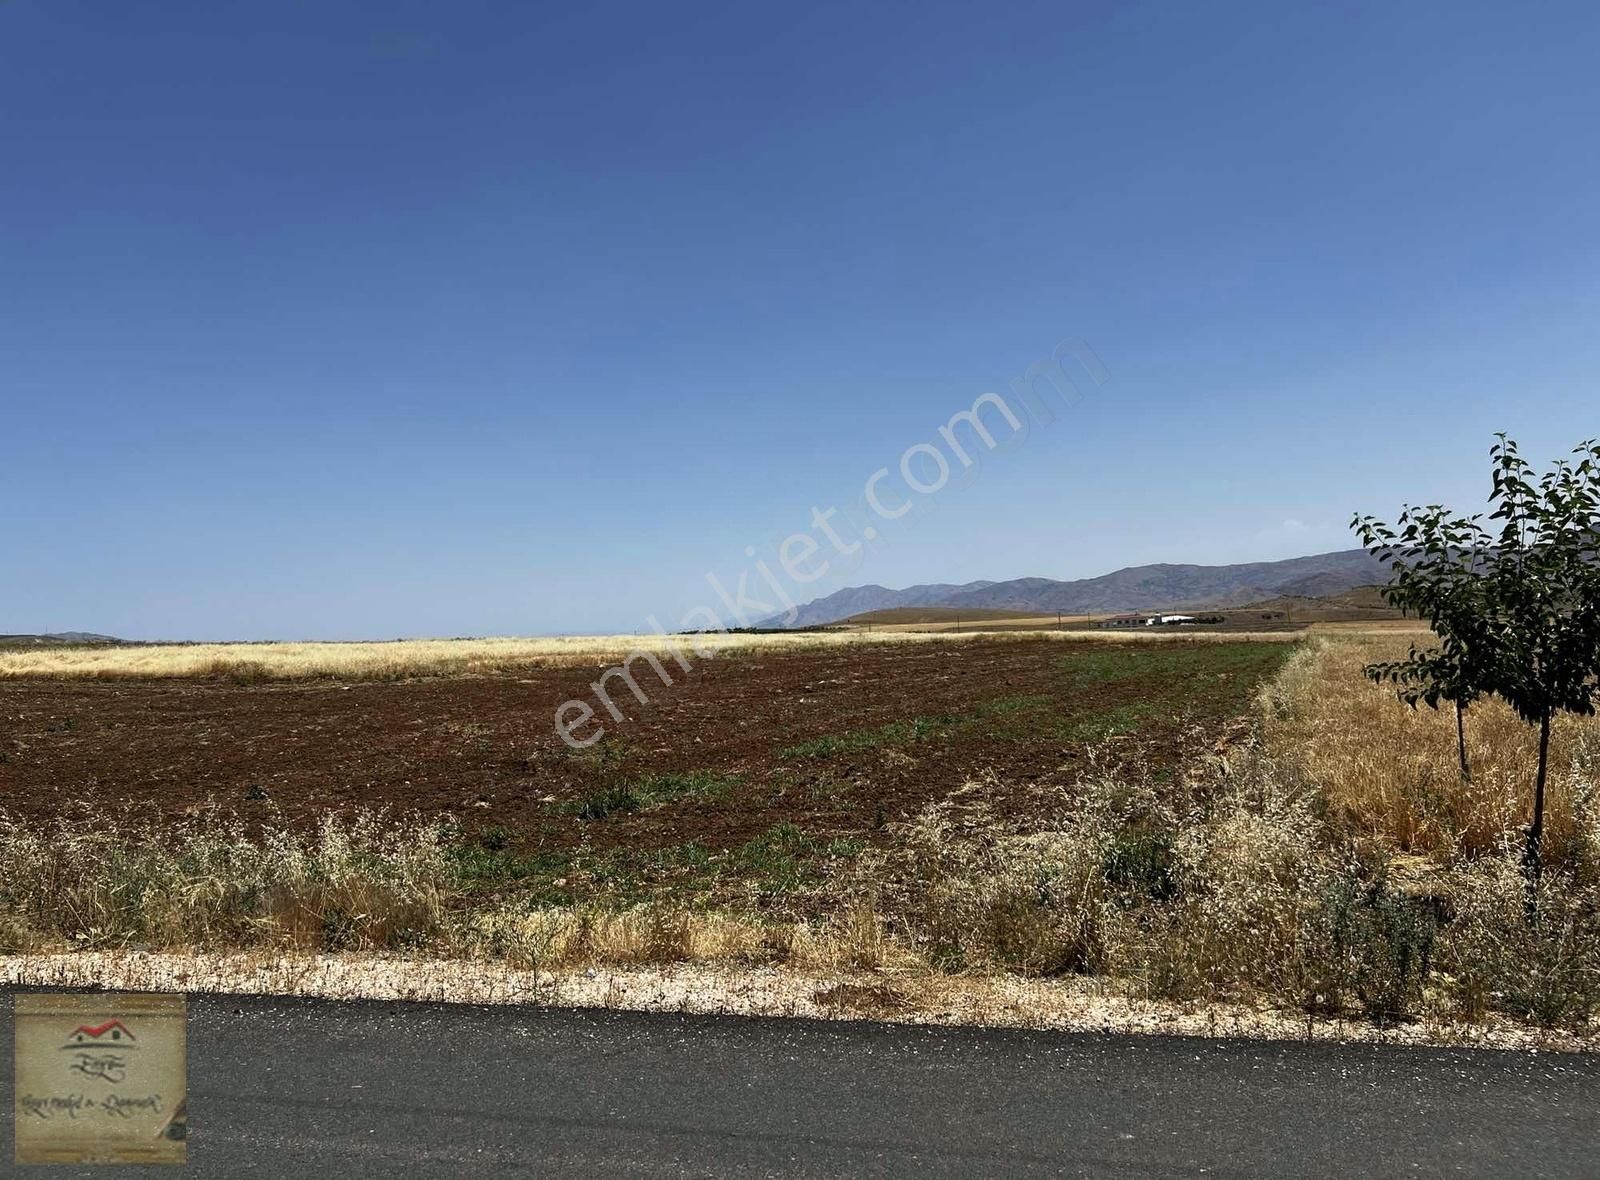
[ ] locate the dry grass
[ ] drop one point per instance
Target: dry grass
(1391, 771)
(371, 884)
(1411, 628)
(97, 881)
(592, 936)
(453, 657)
(1201, 892)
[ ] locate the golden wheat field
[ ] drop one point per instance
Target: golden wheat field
(442, 657)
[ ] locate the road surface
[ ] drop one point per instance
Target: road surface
(282, 1087)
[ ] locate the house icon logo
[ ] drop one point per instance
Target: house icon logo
(113, 1034)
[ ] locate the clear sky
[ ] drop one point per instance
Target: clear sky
(330, 320)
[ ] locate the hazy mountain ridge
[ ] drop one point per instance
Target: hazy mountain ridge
(857, 600)
(59, 639)
(1145, 587)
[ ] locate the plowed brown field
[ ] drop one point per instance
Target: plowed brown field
(836, 741)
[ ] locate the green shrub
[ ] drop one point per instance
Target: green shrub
(1368, 943)
(1142, 862)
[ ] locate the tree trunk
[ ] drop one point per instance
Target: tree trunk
(1461, 742)
(1532, 863)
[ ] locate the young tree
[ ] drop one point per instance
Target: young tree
(1543, 582)
(1434, 561)
(1517, 612)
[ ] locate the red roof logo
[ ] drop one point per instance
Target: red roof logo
(112, 1032)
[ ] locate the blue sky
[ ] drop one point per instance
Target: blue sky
(329, 320)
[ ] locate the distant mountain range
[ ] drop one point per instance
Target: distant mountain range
(1144, 587)
(60, 639)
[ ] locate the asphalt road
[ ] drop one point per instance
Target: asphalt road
(335, 1090)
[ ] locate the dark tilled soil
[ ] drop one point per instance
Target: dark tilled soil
(837, 741)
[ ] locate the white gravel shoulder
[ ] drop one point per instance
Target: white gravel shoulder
(913, 998)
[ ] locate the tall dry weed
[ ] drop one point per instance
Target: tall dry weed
(366, 883)
(964, 891)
